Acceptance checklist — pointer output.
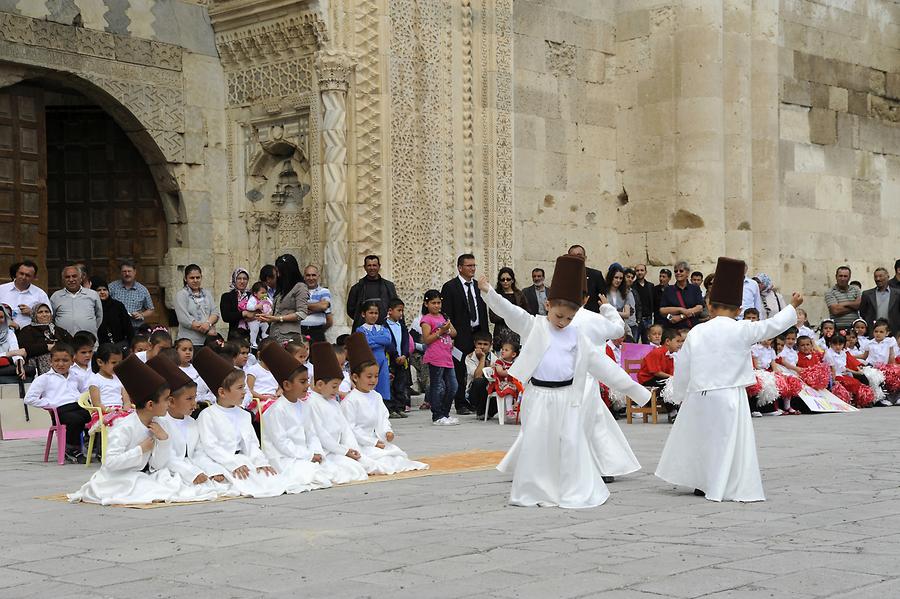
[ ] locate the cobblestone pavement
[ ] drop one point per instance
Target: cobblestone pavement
(831, 528)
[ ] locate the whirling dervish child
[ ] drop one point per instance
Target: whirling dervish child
(552, 461)
(121, 479)
(226, 431)
(288, 439)
(343, 459)
(711, 447)
(368, 416)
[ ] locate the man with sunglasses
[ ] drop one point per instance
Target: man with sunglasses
(682, 303)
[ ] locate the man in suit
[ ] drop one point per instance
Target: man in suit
(536, 294)
(464, 308)
(372, 286)
(596, 283)
(882, 301)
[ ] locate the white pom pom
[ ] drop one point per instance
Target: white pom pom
(769, 391)
(617, 400)
(668, 394)
(875, 378)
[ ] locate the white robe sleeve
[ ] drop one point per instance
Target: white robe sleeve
(770, 327)
(119, 456)
(277, 434)
(312, 438)
(611, 326)
(613, 376)
(383, 424)
(251, 443)
(682, 376)
(515, 317)
(352, 412)
(165, 456)
(329, 442)
(216, 449)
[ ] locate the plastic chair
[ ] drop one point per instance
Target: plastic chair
(84, 400)
(60, 430)
(501, 408)
(632, 367)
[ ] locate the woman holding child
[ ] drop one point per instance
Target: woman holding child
(291, 299)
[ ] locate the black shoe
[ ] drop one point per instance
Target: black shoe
(609, 479)
(699, 493)
(401, 414)
(479, 416)
(393, 415)
(463, 412)
(75, 457)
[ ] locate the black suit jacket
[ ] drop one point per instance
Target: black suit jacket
(868, 308)
(596, 284)
(531, 299)
(456, 308)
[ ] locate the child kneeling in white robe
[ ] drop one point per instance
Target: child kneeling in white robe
(343, 459)
(368, 416)
(182, 454)
(553, 461)
(288, 439)
(121, 479)
(227, 434)
(712, 447)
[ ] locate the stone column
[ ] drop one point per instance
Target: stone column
(334, 80)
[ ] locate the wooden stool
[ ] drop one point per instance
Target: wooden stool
(648, 411)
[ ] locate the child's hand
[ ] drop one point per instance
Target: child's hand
(157, 431)
(241, 472)
(389, 436)
(500, 371)
(147, 445)
(602, 299)
(353, 454)
(483, 284)
(401, 360)
(267, 470)
(796, 299)
(219, 478)
(201, 478)
(379, 444)
(317, 458)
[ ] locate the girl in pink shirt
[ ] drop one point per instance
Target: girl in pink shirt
(437, 335)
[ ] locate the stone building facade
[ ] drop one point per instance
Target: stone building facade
(225, 132)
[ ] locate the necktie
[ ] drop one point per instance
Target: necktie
(470, 299)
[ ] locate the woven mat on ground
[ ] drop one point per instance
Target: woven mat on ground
(448, 463)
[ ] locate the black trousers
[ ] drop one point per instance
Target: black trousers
(478, 397)
(399, 388)
(314, 333)
(459, 399)
(75, 418)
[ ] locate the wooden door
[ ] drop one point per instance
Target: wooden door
(102, 201)
(23, 175)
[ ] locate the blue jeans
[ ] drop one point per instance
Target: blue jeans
(441, 390)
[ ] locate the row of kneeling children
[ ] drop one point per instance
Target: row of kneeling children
(309, 438)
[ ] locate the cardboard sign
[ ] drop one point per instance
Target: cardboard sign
(824, 401)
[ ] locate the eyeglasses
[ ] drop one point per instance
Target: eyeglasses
(680, 270)
(506, 280)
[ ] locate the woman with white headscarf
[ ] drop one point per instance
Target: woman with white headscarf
(772, 300)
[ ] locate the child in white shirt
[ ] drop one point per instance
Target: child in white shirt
(881, 350)
(264, 389)
(107, 392)
(260, 303)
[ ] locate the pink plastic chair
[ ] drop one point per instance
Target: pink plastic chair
(60, 430)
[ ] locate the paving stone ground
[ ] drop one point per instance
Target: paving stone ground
(830, 528)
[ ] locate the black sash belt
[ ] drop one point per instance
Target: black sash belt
(551, 384)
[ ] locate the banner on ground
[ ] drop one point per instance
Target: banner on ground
(822, 400)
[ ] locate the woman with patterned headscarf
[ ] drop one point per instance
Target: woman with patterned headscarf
(233, 304)
(772, 300)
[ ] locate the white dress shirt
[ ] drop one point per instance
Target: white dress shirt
(14, 297)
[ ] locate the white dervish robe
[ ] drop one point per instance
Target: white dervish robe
(120, 479)
(183, 454)
(336, 436)
(368, 417)
(289, 441)
(229, 440)
(552, 461)
(712, 446)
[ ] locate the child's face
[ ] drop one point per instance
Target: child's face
(166, 344)
(654, 335)
(434, 305)
(262, 294)
(366, 380)
(241, 359)
(160, 407)
(751, 317)
(297, 386)
(327, 389)
(805, 346)
(83, 356)
(61, 362)
(766, 343)
(779, 345)
(828, 329)
(801, 316)
(790, 340)
(371, 315)
(673, 345)
(396, 313)
(183, 402)
(301, 354)
(508, 352)
(108, 366)
(141, 346)
(484, 346)
(880, 333)
(860, 328)
(851, 339)
(618, 342)
(232, 396)
(836, 346)
(185, 353)
(560, 316)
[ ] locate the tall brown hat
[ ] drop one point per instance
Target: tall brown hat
(166, 368)
(212, 367)
(569, 279)
(280, 362)
(728, 284)
(325, 362)
(358, 350)
(140, 381)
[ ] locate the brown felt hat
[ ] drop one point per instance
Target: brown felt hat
(358, 350)
(569, 280)
(325, 362)
(728, 284)
(140, 381)
(166, 368)
(280, 362)
(212, 367)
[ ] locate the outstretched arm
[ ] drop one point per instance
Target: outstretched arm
(516, 318)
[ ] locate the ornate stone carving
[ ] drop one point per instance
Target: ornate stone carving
(503, 221)
(468, 122)
(278, 168)
(333, 72)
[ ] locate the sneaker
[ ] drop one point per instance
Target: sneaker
(393, 415)
(439, 422)
(463, 412)
(884, 402)
(75, 457)
(608, 479)
(401, 415)
(451, 420)
(756, 414)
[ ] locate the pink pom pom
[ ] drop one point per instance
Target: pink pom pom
(816, 376)
(865, 397)
(788, 386)
(891, 377)
(841, 391)
(754, 389)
